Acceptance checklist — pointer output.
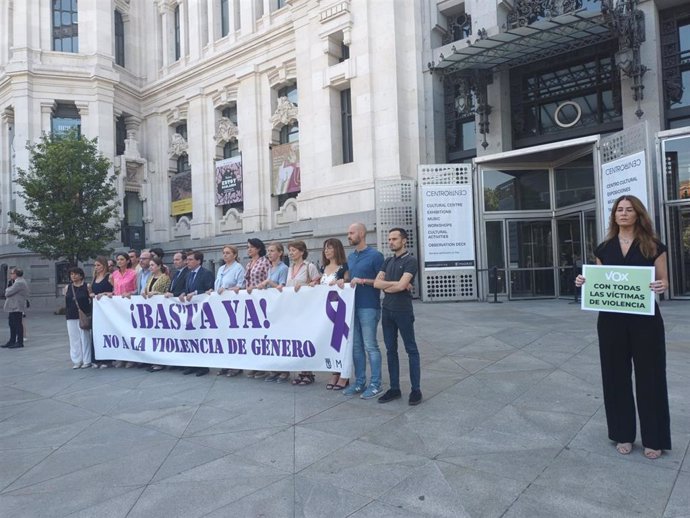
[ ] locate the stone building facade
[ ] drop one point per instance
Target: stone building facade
(172, 86)
(539, 96)
(321, 99)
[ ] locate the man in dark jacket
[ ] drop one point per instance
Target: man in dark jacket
(178, 283)
(199, 280)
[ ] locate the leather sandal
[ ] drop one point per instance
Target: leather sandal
(652, 454)
(304, 378)
(338, 386)
(624, 448)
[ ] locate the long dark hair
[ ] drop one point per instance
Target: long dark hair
(338, 252)
(643, 231)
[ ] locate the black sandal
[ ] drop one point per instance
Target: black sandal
(304, 378)
(337, 387)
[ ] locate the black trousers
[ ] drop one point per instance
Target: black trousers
(627, 340)
(16, 328)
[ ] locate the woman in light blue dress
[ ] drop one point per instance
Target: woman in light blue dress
(277, 277)
(230, 276)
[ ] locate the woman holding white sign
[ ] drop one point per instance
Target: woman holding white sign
(301, 273)
(627, 339)
(334, 268)
(230, 276)
(256, 272)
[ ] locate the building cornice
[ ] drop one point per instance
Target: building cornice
(245, 53)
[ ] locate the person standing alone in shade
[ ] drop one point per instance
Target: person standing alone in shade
(15, 304)
(395, 280)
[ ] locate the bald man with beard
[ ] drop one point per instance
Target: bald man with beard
(364, 263)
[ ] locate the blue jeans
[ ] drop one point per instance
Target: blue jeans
(403, 322)
(364, 343)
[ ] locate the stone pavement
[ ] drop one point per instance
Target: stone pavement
(512, 425)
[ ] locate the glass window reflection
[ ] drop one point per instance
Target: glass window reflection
(516, 190)
(677, 168)
(575, 182)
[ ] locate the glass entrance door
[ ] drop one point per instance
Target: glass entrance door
(530, 265)
(569, 248)
(679, 249)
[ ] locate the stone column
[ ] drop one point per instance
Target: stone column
(194, 19)
(5, 32)
(22, 104)
(21, 30)
(167, 32)
(253, 117)
(201, 144)
(6, 166)
(235, 15)
(96, 17)
(213, 20)
(47, 108)
(248, 16)
(159, 200)
(184, 29)
(88, 128)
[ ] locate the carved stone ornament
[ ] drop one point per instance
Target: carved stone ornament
(285, 113)
(178, 145)
(226, 130)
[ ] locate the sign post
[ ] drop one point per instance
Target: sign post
(448, 226)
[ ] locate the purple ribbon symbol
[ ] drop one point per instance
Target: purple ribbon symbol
(337, 316)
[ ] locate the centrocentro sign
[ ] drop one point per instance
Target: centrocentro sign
(618, 289)
(448, 226)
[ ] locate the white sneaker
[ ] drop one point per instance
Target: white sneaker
(86, 366)
(76, 366)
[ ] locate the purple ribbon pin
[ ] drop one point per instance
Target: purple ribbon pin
(337, 316)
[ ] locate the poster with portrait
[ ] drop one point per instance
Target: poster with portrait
(285, 168)
(229, 181)
(181, 193)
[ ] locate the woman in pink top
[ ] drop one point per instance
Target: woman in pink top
(124, 278)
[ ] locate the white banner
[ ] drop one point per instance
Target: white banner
(266, 330)
(448, 226)
(627, 175)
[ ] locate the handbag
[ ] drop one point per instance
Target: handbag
(84, 318)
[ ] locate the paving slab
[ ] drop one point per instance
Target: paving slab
(512, 424)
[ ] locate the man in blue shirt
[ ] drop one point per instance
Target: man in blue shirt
(364, 264)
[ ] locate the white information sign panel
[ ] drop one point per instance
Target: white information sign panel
(625, 176)
(448, 226)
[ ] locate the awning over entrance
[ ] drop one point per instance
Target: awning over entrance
(522, 45)
(544, 154)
